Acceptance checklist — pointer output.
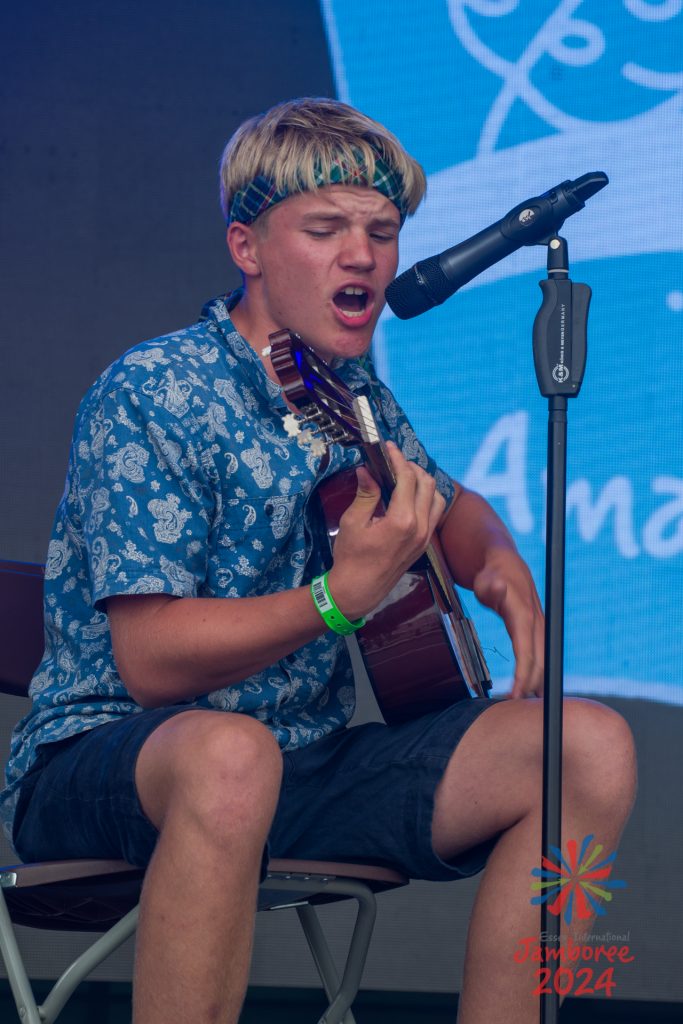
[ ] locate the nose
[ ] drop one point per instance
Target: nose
(357, 250)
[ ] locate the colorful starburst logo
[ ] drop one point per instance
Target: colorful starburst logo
(571, 883)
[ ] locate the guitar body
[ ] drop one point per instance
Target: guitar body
(420, 649)
(409, 643)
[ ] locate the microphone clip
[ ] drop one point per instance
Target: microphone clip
(536, 221)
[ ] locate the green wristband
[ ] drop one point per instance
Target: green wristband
(333, 618)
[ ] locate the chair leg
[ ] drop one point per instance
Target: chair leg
(20, 985)
(64, 987)
(322, 957)
(27, 1008)
(341, 995)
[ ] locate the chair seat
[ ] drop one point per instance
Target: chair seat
(91, 895)
(312, 881)
(71, 895)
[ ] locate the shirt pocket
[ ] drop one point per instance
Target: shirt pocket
(261, 543)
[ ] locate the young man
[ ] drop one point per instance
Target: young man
(187, 662)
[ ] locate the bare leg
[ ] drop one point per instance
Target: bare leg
(493, 785)
(209, 781)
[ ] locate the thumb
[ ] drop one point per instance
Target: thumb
(367, 496)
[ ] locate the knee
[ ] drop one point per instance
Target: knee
(227, 769)
(599, 757)
(236, 753)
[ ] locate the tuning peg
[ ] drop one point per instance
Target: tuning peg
(292, 424)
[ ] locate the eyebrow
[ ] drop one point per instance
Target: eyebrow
(330, 217)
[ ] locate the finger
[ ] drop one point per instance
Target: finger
(424, 496)
(524, 623)
(526, 682)
(529, 667)
(520, 622)
(367, 487)
(534, 678)
(437, 510)
(418, 486)
(394, 451)
(363, 506)
(526, 676)
(402, 468)
(405, 487)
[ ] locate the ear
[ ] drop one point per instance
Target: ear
(243, 246)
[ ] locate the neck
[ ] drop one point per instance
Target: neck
(254, 330)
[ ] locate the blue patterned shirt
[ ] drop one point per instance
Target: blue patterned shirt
(182, 480)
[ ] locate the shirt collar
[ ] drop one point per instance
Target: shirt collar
(217, 310)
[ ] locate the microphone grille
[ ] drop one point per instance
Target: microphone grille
(416, 290)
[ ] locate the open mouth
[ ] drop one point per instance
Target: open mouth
(352, 301)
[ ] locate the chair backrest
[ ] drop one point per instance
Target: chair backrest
(22, 637)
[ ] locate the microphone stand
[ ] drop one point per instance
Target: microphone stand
(559, 343)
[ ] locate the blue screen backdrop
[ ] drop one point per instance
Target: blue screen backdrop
(501, 100)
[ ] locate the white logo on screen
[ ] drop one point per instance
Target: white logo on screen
(640, 154)
(551, 40)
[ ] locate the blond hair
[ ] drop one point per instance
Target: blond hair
(296, 145)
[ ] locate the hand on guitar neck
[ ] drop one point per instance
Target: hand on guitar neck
(372, 552)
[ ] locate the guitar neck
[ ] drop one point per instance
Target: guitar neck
(377, 461)
(376, 454)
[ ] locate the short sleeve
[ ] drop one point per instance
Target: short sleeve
(145, 495)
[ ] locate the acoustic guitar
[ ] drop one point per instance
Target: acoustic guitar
(420, 649)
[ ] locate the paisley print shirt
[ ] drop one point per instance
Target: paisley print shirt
(182, 480)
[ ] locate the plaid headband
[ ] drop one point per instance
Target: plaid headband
(261, 193)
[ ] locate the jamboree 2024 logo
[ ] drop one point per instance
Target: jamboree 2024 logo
(576, 882)
(575, 888)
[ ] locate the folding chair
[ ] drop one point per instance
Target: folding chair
(102, 895)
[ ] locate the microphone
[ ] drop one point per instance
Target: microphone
(430, 282)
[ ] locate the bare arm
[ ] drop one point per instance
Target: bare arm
(169, 649)
(483, 557)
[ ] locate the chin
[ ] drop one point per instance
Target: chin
(337, 342)
(356, 341)
(338, 347)
(351, 348)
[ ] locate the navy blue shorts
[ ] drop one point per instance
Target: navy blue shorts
(363, 794)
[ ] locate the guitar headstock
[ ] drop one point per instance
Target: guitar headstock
(321, 397)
